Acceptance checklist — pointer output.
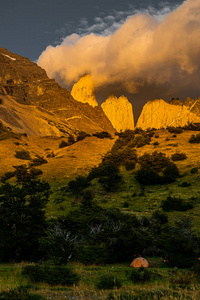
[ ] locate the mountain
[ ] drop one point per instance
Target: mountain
(161, 114)
(84, 91)
(24, 82)
(119, 111)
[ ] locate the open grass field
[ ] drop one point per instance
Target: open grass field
(165, 283)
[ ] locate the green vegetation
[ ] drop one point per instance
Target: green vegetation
(102, 135)
(87, 232)
(52, 275)
(23, 154)
(173, 203)
(194, 138)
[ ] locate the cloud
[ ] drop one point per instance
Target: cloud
(148, 48)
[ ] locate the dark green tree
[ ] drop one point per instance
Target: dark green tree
(22, 218)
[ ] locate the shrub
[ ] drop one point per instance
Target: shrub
(171, 172)
(155, 143)
(111, 181)
(157, 161)
(185, 184)
(124, 157)
(63, 144)
(177, 204)
(125, 204)
(194, 138)
(82, 135)
(127, 135)
(71, 140)
(192, 126)
(20, 293)
(78, 184)
(175, 129)
(52, 275)
(108, 281)
(103, 135)
(178, 156)
(23, 154)
(38, 161)
(147, 176)
(194, 170)
(140, 275)
(140, 141)
(7, 176)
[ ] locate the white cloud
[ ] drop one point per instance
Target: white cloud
(148, 47)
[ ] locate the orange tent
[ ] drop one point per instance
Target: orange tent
(139, 262)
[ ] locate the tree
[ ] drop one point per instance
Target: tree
(22, 218)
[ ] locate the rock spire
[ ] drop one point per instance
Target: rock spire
(84, 91)
(119, 111)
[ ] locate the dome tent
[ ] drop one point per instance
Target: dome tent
(139, 262)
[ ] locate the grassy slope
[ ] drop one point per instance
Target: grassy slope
(80, 157)
(145, 202)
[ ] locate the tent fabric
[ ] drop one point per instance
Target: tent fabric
(139, 262)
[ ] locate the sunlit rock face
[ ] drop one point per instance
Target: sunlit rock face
(50, 109)
(119, 111)
(84, 91)
(161, 114)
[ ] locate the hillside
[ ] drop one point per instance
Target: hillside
(26, 83)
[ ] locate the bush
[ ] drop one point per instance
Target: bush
(155, 143)
(20, 293)
(52, 275)
(103, 135)
(171, 172)
(124, 157)
(177, 204)
(23, 154)
(140, 275)
(38, 161)
(108, 281)
(157, 161)
(111, 181)
(175, 129)
(147, 176)
(192, 126)
(194, 138)
(194, 170)
(78, 184)
(63, 144)
(185, 184)
(178, 156)
(71, 140)
(82, 135)
(7, 176)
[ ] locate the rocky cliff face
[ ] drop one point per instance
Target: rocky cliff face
(159, 113)
(27, 84)
(119, 111)
(84, 91)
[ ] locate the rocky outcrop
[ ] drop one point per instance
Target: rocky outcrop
(119, 111)
(84, 91)
(161, 114)
(27, 84)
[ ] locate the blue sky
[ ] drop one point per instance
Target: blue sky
(27, 27)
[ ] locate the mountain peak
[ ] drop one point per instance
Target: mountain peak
(84, 91)
(119, 111)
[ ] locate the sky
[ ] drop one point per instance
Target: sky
(143, 49)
